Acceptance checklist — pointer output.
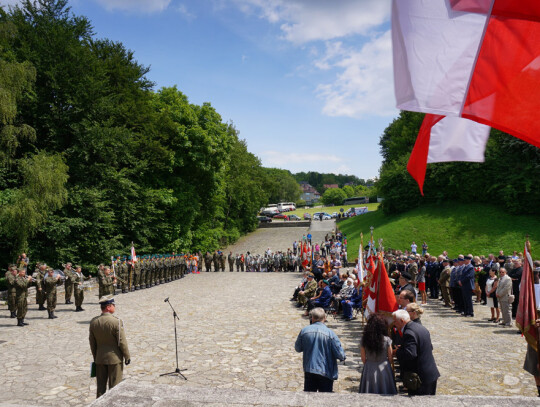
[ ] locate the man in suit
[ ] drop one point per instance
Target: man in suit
(109, 346)
(504, 288)
(466, 282)
(415, 354)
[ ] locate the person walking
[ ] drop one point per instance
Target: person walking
(321, 349)
(50, 282)
(21, 288)
(108, 345)
(376, 354)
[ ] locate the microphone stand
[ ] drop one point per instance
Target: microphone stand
(177, 371)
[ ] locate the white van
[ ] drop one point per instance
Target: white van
(286, 206)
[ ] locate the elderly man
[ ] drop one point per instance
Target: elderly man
(108, 345)
(322, 300)
(415, 356)
(504, 288)
(321, 348)
(405, 283)
(309, 290)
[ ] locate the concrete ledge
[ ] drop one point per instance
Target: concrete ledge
(131, 393)
(286, 224)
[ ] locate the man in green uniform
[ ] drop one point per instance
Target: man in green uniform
(109, 346)
(123, 270)
(230, 259)
(21, 287)
(107, 282)
(221, 261)
(308, 292)
(68, 283)
(78, 279)
(11, 276)
(50, 282)
(215, 260)
(207, 262)
(40, 289)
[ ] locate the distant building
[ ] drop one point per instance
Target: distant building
(309, 194)
(330, 186)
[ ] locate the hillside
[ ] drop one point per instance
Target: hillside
(458, 228)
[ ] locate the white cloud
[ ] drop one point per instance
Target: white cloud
(184, 11)
(303, 21)
(137, 6)
(364, 85)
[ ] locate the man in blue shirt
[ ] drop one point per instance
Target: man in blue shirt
(321, 348)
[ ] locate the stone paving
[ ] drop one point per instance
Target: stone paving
(236, 331)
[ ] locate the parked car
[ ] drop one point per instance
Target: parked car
(264, 219)
(270, 212)
(325, 216)
(294, 217)
(334, 215)
(281, 216)
(307, 216)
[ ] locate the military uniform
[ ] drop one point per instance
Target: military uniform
(12, 292)
(215, 259)
(308, 292)
(21, 288)
(444, 282)
(68, 283)
(40, 289)
(106, 285)
(123, 274)
(78, 279)
(230, 259)
(109, 349)
(50, 284)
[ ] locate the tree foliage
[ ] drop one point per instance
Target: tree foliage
(507, 177)
(93, 158)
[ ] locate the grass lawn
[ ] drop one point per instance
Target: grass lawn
(329, 209)
(457, 228)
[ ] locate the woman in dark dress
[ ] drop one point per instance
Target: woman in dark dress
(376, 353)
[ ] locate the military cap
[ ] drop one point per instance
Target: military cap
(468, 257)
(106, 300)
(310, 275)
(326, 282)
(78, 267)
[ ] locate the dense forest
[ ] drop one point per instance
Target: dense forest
(317, 180)
(508, 178)
(93, 158)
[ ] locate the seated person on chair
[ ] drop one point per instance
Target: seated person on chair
(308, 291)
(354, 301)
(323, 300)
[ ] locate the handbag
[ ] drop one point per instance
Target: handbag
(411, 380)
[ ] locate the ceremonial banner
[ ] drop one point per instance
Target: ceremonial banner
(476, 61)
(380, 296)
(526, 314)
(133, 254)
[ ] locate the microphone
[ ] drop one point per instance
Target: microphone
(166, 299)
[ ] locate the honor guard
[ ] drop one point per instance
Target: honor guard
(21, 288)
(230, 259)
(78, 279)
(41, 272)
(68, 283)
(11, 276)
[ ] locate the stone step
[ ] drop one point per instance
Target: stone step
(133, 393)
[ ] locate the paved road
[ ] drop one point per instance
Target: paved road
(236, 330)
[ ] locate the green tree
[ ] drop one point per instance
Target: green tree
(333, 196)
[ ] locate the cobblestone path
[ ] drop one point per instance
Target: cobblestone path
(236, 330)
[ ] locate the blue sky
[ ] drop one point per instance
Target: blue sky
(308, 83)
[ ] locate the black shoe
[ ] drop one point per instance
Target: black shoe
(42, 308)
(68, 302)
(13, 314)
(24, 323)
(19, 322)
(54, 316)
(50, 315)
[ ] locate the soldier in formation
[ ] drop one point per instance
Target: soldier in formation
(50, 282)
(11, 276)
(68, 283)
(21, 288)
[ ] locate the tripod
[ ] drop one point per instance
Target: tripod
(177, 371)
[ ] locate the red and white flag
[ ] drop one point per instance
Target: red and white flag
(469, 64)
(528, 304)
(380, 296)
(133, 254)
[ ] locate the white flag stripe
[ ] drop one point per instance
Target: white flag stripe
(429, 75)
(457, 139)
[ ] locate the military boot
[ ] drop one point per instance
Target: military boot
(50, 315)
(24, 323)
(19, 322)
(13, 314)
(41, 308)
(53, 316)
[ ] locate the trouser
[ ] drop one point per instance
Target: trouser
(40, 296)
(22, 306)
(136, 280)
(515, 304)
(111, 374)
(216, 266)
(505, 311)
(68, 290)
(434, 288)
(208, 267)
(231, 266)
(467, 301)
(458, 299)
(79, 297)
(12, 301)
(302, 299)
(242, 266)
(315, 382)
(426, 389)
(445, 295)
(347, 307)
(51, 301)
(222, 267)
